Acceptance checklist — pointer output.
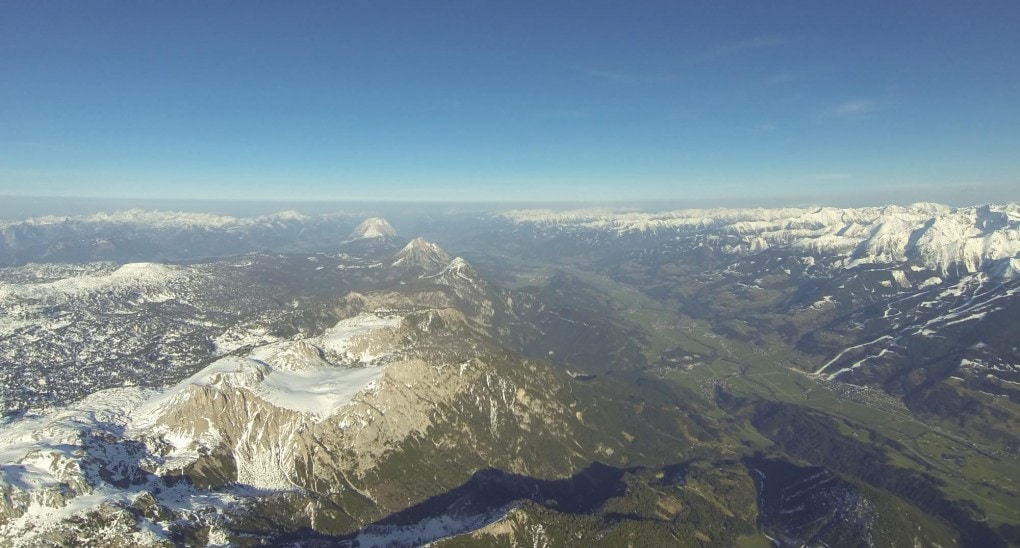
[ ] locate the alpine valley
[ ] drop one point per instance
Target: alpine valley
(465, 377)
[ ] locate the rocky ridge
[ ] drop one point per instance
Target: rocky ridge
(314, 421)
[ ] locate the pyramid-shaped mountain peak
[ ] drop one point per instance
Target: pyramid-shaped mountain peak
(421, 257)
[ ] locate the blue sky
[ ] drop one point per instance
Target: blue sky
(783, 102)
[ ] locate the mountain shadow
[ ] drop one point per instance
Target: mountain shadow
(481, 500)
(582, 493)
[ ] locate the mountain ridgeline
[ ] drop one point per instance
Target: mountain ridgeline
(704, 378)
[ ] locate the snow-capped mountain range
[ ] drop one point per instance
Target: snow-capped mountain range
(943, 238)
(137, 235)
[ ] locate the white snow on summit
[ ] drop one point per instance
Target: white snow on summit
(421, 255)
(372, 228)
(133, 275)
(22, 301)
(316, 391)
(50, 462)
(296, 375)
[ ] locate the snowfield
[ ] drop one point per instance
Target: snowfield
(62, 462)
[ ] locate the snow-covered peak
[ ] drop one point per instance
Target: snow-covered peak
(456, 272)
(372, 228)
(458, 264)
(154, 272)
(154, 281)
(289, 215)
(421, 256)
(420, 244)
(315, 377)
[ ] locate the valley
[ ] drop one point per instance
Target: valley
(511, 275)
(523, 383)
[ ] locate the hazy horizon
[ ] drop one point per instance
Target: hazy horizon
(23, 207)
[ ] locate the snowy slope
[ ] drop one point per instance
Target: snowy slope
(106, 448)
(153, 281)
(420, 257)
(373, 228)
(295, 375)
(71, 462)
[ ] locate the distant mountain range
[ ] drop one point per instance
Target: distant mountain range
(158, 235)
(935, 236)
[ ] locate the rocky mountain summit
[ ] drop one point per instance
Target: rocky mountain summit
(343, 424)
(420, 258)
